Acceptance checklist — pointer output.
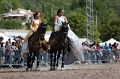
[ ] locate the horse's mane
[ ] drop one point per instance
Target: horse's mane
(64, 28)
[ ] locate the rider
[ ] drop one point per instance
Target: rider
(76, 51)
(59, 18)
(34, 26)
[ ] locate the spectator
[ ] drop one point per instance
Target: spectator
(8, 53)
(1, 48)
(93, 49)
(114, 46)
(110, 53)
(1, 43)
(9, 40)
(13, 49)
(105, 47)
(86, 49)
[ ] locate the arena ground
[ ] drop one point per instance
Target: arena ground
(74, 71)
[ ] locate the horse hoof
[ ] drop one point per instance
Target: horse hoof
(27, 69)
(51, 69)
(62, 68)
(36, 69)
(30, 69)
(54, 68)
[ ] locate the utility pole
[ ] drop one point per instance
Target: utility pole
(90, 20)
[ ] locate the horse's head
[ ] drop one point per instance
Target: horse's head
(41, 31)
(64, 29)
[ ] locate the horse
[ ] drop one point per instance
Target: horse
(58, 42)
(35, 44)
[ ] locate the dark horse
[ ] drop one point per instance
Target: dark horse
(35, 45)
(58, 42)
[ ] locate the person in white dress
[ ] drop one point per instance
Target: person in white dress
(76, 51)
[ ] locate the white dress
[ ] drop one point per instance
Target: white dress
(76, 51)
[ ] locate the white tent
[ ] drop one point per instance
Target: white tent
(15, 34)
(5, 37)
(112, 41)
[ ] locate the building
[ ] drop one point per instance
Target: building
(22, 14)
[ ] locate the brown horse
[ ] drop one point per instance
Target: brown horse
(58, 42)
(35, 44)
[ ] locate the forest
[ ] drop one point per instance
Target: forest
(107, 11)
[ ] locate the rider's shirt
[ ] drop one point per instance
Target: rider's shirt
(60, 20)
(59, 23)
(35, 24)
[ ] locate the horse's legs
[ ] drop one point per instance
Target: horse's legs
(51, 59)
(54, 59)
(33, 59)
(28, 62)
(63, 59)
(37, 55)
(58, 56)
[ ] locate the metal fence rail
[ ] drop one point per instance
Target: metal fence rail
(13, 60)
(9, 59)
(101, 57)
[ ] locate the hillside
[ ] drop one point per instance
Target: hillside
(108, 13)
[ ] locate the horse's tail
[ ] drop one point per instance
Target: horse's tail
(22, 56)
(45, 45)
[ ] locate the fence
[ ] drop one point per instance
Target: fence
(9, 59)
(100, 56)
(13, 60)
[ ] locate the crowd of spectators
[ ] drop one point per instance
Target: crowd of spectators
(10, 53)
(93, 53)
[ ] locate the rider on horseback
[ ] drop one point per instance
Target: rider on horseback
(34, 26)
(59, 18)
(73, 40)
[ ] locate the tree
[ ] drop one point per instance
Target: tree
(110, 30)
(16, 4)
(6, 5)
(77, 24)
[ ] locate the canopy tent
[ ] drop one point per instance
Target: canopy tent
(15, 34)
(112, 41)
(5, 37)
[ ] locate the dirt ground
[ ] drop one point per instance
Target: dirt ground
(74, 71)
